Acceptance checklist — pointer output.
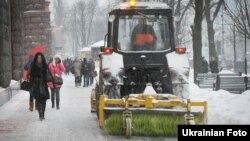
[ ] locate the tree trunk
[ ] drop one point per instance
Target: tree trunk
(178, 23)
(210, 31)
(177, 33)
(197, 40)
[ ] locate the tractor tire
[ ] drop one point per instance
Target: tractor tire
(128, 129)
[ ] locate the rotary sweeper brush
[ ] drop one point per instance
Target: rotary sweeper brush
(142, 85)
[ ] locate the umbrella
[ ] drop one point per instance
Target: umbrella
(34, 51)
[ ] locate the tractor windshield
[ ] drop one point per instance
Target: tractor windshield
(143, 33)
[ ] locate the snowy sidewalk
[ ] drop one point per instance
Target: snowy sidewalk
(73, 122)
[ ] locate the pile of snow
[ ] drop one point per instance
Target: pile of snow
(149, 89)
(225, 72)
(1, 89)
(12, 82)
(85, 49)
(98, 44)
(223, 107)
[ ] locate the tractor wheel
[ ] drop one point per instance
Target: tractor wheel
(128, 130)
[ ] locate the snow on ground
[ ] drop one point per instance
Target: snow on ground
(13, 82)
(223, 107)
(1, 89)
(225, 72)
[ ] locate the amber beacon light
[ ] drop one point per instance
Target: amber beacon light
(132, 3)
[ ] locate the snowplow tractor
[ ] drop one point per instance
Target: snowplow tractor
(143, 77)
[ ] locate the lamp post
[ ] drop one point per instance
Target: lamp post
(245, 51)
(234, 34)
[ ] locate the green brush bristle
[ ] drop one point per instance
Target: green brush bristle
(147, 125)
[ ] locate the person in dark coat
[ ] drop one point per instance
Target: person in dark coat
(204, 65)
(25, 78)
(143, 37)
(85, 72)
(214, 65)
(38, 83)
(92, 71)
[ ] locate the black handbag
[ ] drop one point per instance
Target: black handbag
(58, 80)
(25, 86)
(49, 77)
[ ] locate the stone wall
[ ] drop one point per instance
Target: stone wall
(5, 44)
(36, 25)
(16, 39)
(23, 25)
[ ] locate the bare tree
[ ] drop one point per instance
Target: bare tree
(197, 37)
(240, 15)
(180, 11)
(59, 12)
(78, 23)
(210, 18)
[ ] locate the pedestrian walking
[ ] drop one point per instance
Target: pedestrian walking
(85, 72)
(25, 83)
(67, 66)
(214, 65)
(37, 77)
(77, 72)
(56, 69)
(204, 65)
(92, 71)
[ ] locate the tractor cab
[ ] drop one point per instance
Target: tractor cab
(140, 35)
(141, 27)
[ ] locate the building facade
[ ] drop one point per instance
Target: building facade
(24, 24)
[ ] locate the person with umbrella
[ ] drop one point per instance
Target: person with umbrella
(27, 67)
(37, 77)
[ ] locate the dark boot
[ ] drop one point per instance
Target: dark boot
(44, 107)
(57, 104)
(40, 113)
(53, 98)
(36, 104)
(42, 116)
(31, 106)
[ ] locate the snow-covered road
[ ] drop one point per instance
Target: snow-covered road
(73, 122)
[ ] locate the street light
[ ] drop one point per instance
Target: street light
(246, 51)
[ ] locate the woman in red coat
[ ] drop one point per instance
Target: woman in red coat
(56, 68)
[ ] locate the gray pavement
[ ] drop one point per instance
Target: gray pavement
(73, 122)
